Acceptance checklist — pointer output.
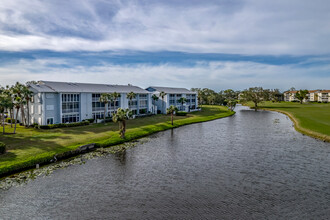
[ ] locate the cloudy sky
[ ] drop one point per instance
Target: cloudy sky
(217, 44)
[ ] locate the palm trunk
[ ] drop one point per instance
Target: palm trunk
(172, 118)
(11, 117)
(255, 106)
(124, 128)
(105, 109)
(28, 113)
(3, 120)
(22, 115)
(16, 121)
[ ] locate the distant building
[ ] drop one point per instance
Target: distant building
(312, 96)
(172, 97)
(323, 96)
(65, 102)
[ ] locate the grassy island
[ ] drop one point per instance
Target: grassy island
(312, 119)
(31, 146)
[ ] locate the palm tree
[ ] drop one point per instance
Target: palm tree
(162, 94)
(154, 98)
(27, 94)
(115, 96)
(130, 96)
(121, 116)
(171, 110)
(182, 100)
(18, 102)
(5, 104)
(18, 92)
(104, 98)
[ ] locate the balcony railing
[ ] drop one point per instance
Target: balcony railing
(71, 110)
(98, 109)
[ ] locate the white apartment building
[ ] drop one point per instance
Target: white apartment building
(65, 102)
(172, 97)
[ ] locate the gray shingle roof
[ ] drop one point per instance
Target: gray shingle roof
(170, 90)
(69, 87)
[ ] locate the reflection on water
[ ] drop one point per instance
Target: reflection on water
(253, 165)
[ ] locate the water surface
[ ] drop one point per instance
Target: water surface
(253, 165)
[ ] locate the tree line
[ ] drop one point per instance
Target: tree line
(14, 99)
(230, 97)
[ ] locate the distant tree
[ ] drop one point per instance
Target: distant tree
(162, 94)
(182, 100)
(130, 96)
(115, 96)
(231, 104)
(154, 99)
(171, 110)
(292, 89)
(105, 98)
(5, 104)
(301, 95)
(27, 94)
(121, 116)
(230, 98)
(18, 102)
(255, 95)
(275, 95)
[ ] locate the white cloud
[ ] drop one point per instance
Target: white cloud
(215, 75)
(242, 27)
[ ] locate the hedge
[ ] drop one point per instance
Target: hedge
(64, 125)
(181, 113)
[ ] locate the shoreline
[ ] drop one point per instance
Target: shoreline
(310, 133)
(131, 135)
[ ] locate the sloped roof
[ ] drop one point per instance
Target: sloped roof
(170, 90)
(70, 87)
(325, 91)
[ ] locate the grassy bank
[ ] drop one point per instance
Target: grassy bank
(31, 146)
(312, 119)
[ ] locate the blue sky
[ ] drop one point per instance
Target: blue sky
(217, 44)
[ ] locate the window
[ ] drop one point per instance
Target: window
(143, 103)
(69, 118)
(98, 115)
(39, 109)
(32, 109)
(143, 96)
(50, 121)
(70, 103)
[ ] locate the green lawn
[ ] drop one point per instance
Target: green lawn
(310, 118)
(30, 146)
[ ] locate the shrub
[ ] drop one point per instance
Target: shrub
(181, 113)
(8, 120)
(64, 125)
(142, 111)
(91, 120)
(2, 148)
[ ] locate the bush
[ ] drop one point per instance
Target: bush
(91, 120)
(181, 113)
(2, 148)
(159, 111)
(64, 125)
(8, 120)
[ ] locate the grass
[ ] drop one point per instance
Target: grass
(31, 146)
(312, 119)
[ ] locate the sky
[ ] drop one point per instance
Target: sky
(218, 44)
